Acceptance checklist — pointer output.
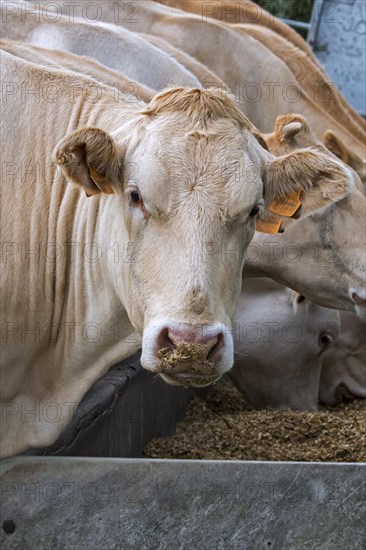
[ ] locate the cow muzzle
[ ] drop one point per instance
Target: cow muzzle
(187, 355)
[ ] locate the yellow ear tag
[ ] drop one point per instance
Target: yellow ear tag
(271, 225)
(288, 206)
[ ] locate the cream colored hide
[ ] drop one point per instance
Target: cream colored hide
(248, 18)
(292, 258)
(340, 150)
(123, 223)
(235, 12)
(57, 59)
(292, 131)
(279, 343)
(263, 85)
(343, 374)
(112, 46)
(321, 256)
(312, 78)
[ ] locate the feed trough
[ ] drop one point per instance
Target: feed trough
(120, 503)
(86, 500)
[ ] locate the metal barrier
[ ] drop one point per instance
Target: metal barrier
(337, 35)
(296, 24)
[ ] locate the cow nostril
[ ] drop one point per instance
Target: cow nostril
(164, 341)
(358, 299)
(215, 351)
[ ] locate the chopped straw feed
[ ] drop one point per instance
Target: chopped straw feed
(222, 426)
(195, 355)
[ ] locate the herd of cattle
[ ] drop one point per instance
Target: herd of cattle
(141, 144)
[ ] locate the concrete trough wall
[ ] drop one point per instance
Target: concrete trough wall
(66, 502)
(84, 504)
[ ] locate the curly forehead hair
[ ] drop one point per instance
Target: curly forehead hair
(201, 106)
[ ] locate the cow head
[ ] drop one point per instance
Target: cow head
(330, 268)
(189, 179)
(343, 374)
(278, 354)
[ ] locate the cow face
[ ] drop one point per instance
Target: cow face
(343, 374)
(189, 178)
(330, 269)
(280, 340)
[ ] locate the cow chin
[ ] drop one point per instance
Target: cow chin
(359, 302)
(361, 312)
(188, 379)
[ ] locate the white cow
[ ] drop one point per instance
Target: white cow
(279, 340)
(293, 259)
(321, 256)
(112, 46)
(154, 257)
(343, 374)
(57, 59)
(263, 84)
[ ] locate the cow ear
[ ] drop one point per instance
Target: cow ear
(90, 159)
(340, 150)
(336, 146)
(316, 178)
(290, 130)
(293, 130)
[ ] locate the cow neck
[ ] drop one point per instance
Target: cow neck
(98, 278)
(95, 267)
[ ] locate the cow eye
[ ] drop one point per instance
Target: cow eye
(135, 198)
(254, 211)
(325, 339)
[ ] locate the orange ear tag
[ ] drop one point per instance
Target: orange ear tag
(288, 206)
(271, 225)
